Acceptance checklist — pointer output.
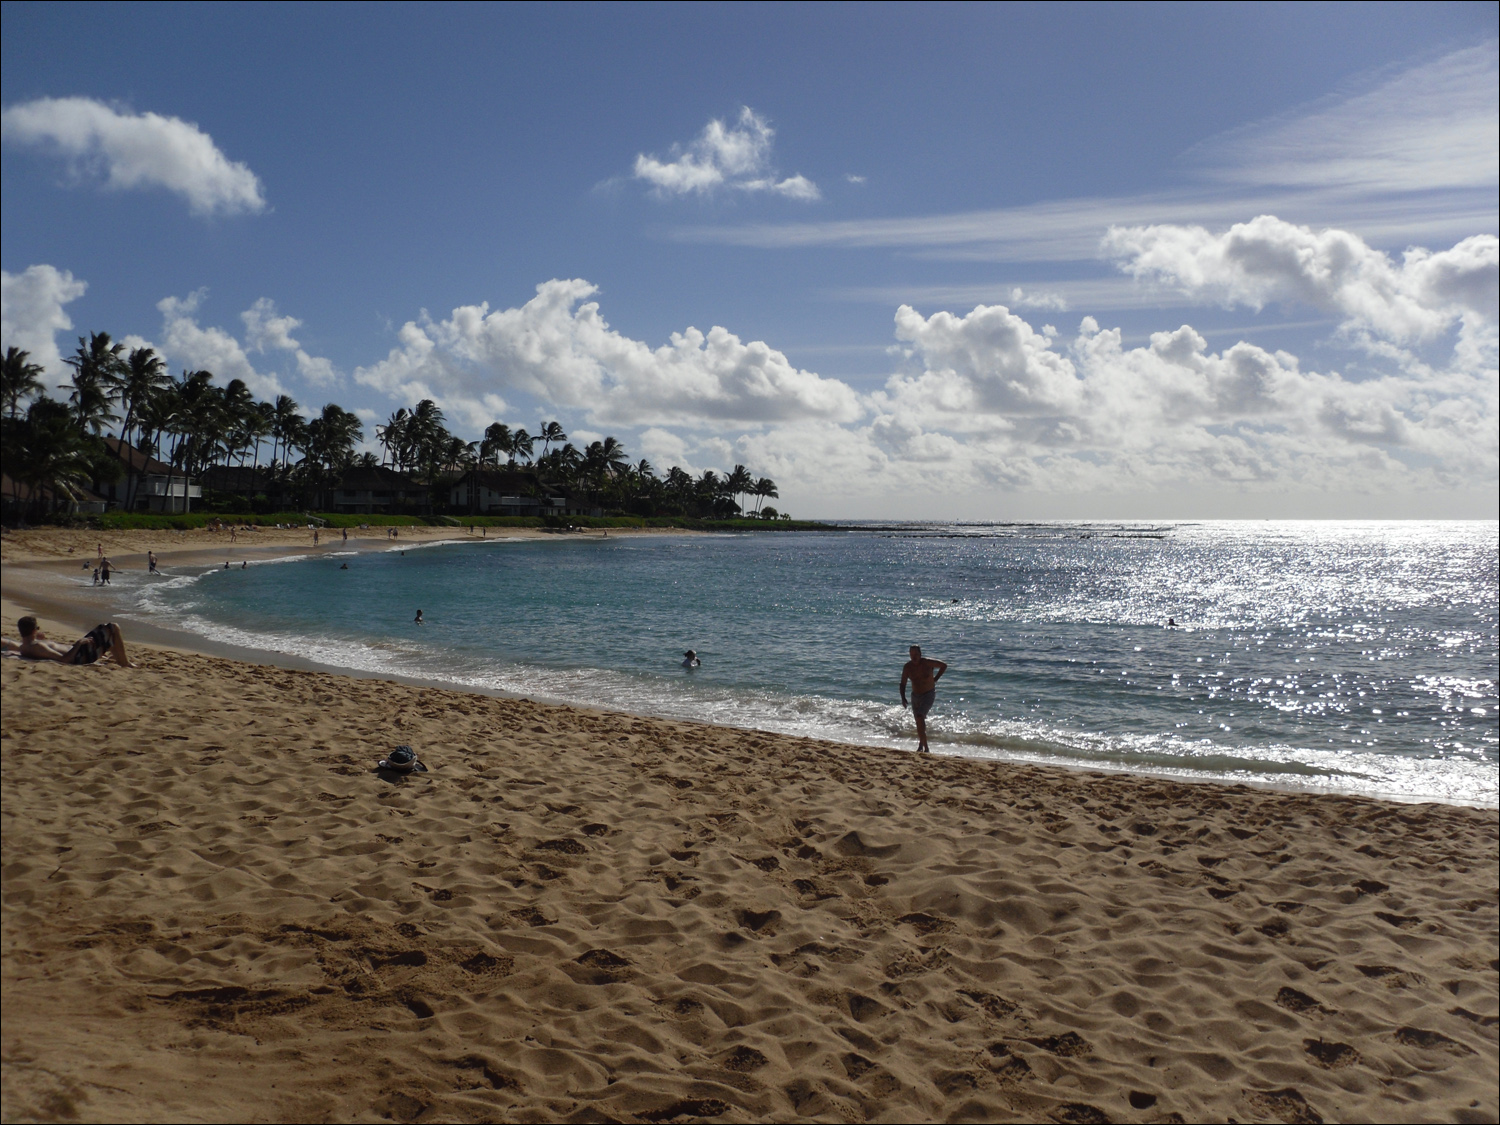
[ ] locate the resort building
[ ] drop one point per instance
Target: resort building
(506, 492)
(374, 491)
(19, 501)
(147, 485)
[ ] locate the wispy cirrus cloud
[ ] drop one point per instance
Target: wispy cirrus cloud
(1411, 157)
(1428, 127)
(735, 157)
(136, 150)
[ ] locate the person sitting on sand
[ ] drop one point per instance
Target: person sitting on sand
(924, 675)
(690, 659)
(98, 641)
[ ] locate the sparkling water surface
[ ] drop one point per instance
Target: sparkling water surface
(1356, 657)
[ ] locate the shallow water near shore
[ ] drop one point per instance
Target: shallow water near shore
(1351, 657)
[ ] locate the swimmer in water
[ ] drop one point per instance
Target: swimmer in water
(690, 659)
(417, 620)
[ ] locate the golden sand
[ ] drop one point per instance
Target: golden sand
(215, 910)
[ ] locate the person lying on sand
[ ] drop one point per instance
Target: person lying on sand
(93, 645)
(924, 675)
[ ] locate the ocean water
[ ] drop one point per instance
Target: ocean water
(1350, 657)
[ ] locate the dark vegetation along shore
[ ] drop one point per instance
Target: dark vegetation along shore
(130, 438)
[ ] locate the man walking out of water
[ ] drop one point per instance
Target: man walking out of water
(924, 675)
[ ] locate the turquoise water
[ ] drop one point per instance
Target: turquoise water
(1349, 657)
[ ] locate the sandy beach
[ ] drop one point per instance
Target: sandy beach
(215, 909)
(58, 545)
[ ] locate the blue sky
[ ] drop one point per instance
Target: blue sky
(962, 261)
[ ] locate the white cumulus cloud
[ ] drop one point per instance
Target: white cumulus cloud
(209, 349)
(724, 156)
(32, 314)
(566, 354)
(1268, 260)
(265, 328)
(134, 150)
(988, 401)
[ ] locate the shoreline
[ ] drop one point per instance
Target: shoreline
(216, 910)
(45, 560)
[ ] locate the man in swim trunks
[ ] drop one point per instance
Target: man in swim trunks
(924, 675)
(97, 642)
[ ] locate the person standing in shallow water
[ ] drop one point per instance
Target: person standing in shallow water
(924, 675)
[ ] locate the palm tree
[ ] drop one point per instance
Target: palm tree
(739, 482)
(49, 452)
(258, 422)
(521, 445)
(238, 406)
(497, 440)
(765, 489)
(145, 375)
(145, 380)
(426, 429)
(285, 423)
(391, 436)
(569, 462)
(22, 379)
(153, 418)
(614, 454)
(98, 372)
(332, 436)
(550, 432)
(679, 486)
(195, 424)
